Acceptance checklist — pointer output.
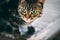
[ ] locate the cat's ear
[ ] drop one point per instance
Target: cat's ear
(41, 1)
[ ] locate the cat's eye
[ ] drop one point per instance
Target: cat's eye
(34, 12)
(23, 10)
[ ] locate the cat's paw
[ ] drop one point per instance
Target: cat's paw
(30, 32)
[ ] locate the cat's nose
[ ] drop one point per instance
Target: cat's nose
(27, 17)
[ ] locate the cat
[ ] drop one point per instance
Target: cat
(29, 11)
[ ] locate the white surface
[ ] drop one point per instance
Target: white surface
(47, 32)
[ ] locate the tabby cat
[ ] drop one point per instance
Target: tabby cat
(29, 10)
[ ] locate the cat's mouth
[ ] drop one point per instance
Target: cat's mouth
(27, 20)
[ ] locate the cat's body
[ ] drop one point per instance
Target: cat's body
(7, 20)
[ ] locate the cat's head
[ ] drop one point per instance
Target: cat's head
(29, 12)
